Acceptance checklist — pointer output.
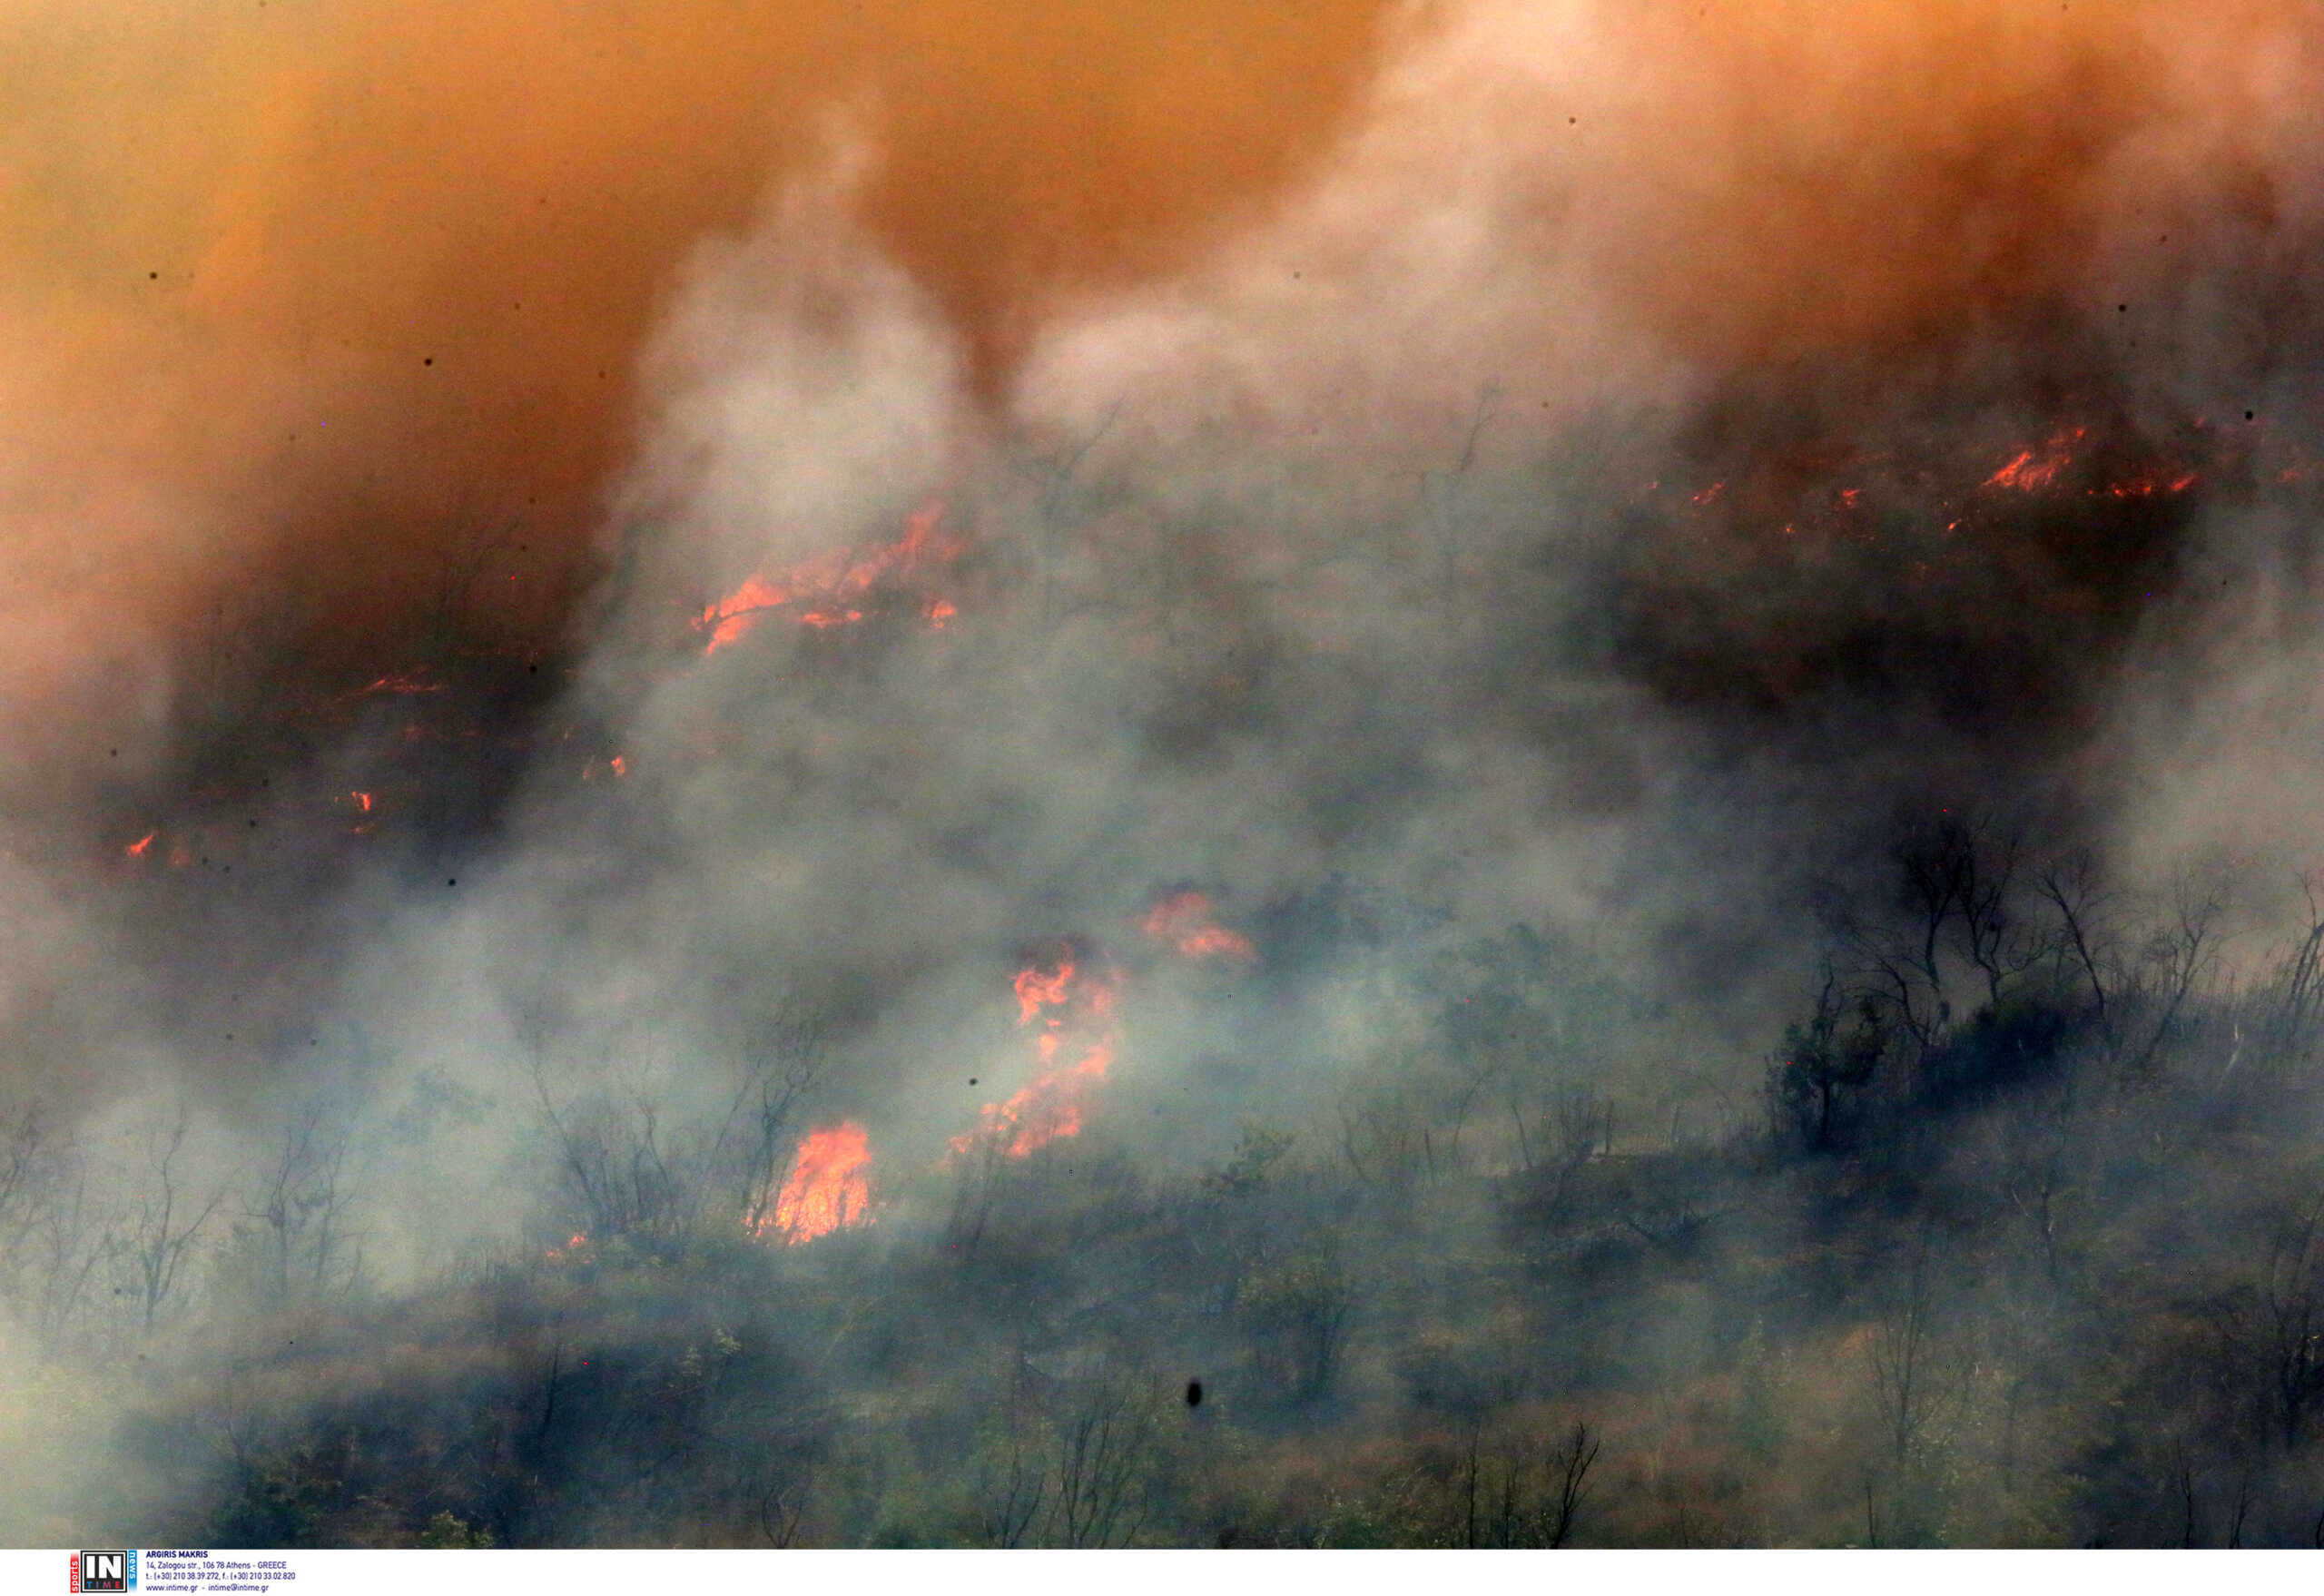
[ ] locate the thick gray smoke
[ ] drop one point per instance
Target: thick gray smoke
(1645, 459)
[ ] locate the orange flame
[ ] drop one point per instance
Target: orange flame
(362, 801)
(829, 1189)
(1052, 1104)
(1037, 991)
(1049, 1108)
(739, 611)
(137, 849)
(2147, 487)
(2029, 474)
(827, 581)
(1183, 921)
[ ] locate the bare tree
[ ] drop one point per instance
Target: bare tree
(2292, 1002)
(164, 1226)
(299, 1232)
(2071, 887)
(1525, 1494)
(2179, 956)
(2038, 1176)
(749, 1149)
(23, 1137)
(53, 1240)
(1988, 931)
(1105, 1459)
(1570, 1471)
(1895, 953)
(1909, 1382)
(1014, 1501)
(2291, 1326)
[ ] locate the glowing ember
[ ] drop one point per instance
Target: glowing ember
(137, 849)
(829, 1189)
(362, 801)
(939, 611)
(827, 581)
(620, 765)
(2145, 486)
(569, 1251)
(1072, 1007)
(401, 682)
(1183, 921)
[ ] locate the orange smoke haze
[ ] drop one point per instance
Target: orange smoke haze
(326, 289)
(331, 286)
(1183, 921)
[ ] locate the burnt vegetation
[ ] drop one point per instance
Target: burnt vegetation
(2010, 1231)
(2020, 1243)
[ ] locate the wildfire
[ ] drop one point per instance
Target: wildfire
(362, 801)
(2146, 487)
(740, 610)
(571, 1250)
(1183, 921)
(829, 1188)
(137, 849)
(1037, 990)
(2032, 471)
(402, 683)
(826, 582)
(1071, 1005)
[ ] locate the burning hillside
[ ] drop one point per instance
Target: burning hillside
(847, 746)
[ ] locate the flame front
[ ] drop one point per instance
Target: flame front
(829, 1189)
(829, 581)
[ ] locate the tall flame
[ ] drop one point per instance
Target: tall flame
(829, 1188)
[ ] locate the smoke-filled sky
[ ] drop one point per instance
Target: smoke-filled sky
(1537, 462)
(300, 277)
